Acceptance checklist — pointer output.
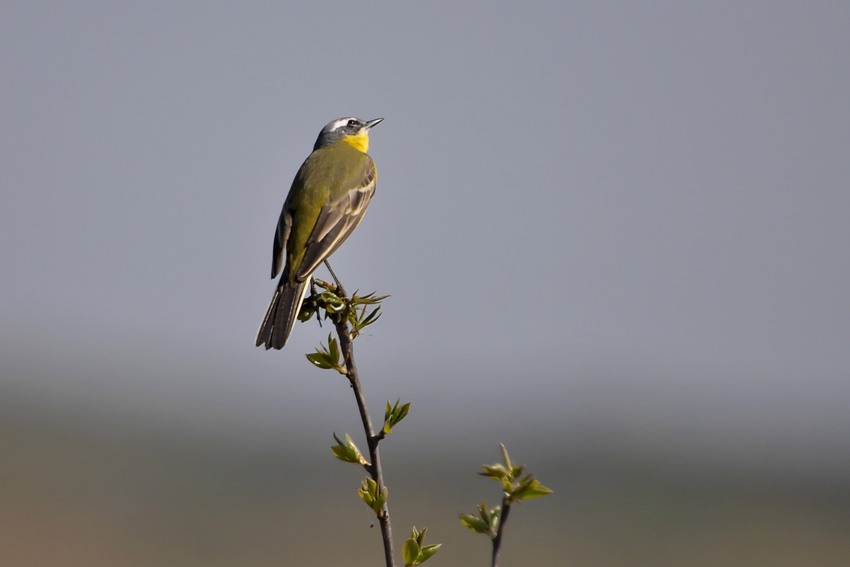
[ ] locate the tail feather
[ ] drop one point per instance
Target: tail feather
(281, 315)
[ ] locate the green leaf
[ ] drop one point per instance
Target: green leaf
(321, 360)
(373, 316)
(363, 319)
(331, 302)
(368, 299)
(429, 550)
(333, 348)
(495, 518)
(367, 491)
(496, 472)
(486, 522)
(410, 551)
(530, 488)
(347, 451)
(505, 457)
(515, 487)
(359, 315)
(515, 470)
(415, 552)
(394, 414)
(475, 523)
(308, 308)
(360, 319)
(382, 499)
(327, 357)
(373, 497)
(401, 413)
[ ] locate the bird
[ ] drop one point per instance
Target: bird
(326, 202)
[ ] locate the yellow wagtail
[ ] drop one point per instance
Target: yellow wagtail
(327, 200)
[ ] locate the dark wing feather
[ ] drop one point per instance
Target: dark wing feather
(337, 220)
(281, 235)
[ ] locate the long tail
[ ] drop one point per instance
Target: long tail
(281, 314)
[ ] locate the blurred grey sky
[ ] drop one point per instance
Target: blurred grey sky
(624, 219)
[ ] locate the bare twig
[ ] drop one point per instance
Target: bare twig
(336, 279)
(497, 539)
(374, 466)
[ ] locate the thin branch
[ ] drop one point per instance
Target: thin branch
(497, 539)
(336, 280)
(374, 468)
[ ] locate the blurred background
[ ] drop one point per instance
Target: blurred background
(616, 237)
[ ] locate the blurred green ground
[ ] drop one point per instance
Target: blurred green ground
(115, 496)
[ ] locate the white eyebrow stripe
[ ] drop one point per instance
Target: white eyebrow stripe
(340, 123)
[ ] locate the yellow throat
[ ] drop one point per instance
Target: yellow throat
(359, 141)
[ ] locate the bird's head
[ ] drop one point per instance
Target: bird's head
(350, 130)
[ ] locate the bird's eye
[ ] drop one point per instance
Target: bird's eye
(352, 123)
